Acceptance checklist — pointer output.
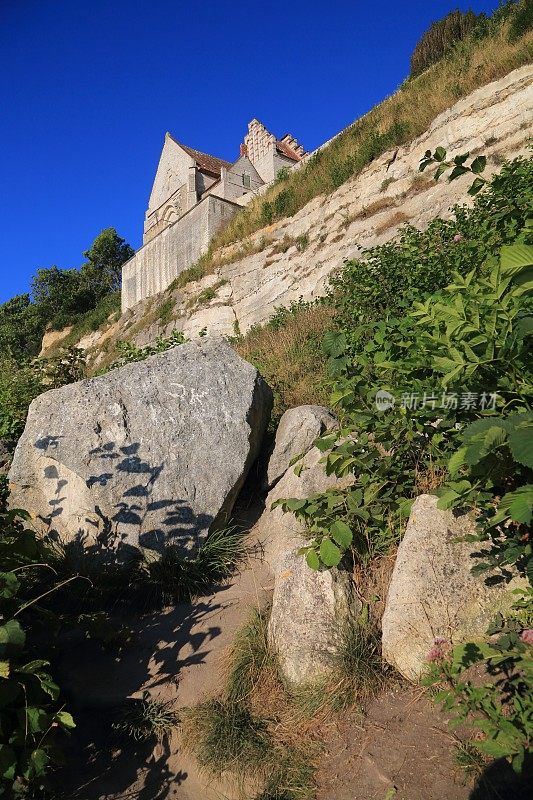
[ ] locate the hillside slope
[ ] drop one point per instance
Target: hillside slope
(293, 258)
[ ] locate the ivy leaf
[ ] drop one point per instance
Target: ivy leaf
(8, 762)
(520, 504)
(478, 164)
(457, 460)
(12, 638)
(476, 187)
(334, 344)
(521, 443)
(341, 533)
(439, 154)
(312, 559)
(515, 257)
(293, 504)
(65, 719)
(330, 553)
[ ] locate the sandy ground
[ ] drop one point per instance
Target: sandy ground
(400, 750)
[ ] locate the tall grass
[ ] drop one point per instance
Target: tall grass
(287, 351)
(407, 113)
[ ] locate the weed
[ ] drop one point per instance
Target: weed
(288, 353)
(146, 719)
(470, 760)
(386, 183)
(170, 576)
(302, 242)
(358, 673)
(165, 311)
(249, 657)
(227, 736)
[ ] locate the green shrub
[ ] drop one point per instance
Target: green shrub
(31, 715)
(521, 20)
(437, 346)
(387, 278)
(441, 37)
(500, 708)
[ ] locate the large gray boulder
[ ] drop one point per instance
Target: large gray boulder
(433, 593)
(150, 454)
(297, 430)
(310, 609)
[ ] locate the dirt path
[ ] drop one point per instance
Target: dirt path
(178, 654)
(401, 750)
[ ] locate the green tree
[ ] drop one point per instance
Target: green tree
(102, 272)
(21, 327)
(61, 295)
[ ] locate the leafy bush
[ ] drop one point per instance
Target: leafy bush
(460, 360)
(521, 20)
(30, 714)
(386, 279)
(130, 353)
(440, 38)
(500, 708)
(21, 382)
(462, 337)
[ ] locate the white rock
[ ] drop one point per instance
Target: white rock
(433, 592)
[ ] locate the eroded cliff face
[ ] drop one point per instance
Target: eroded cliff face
(294, 258)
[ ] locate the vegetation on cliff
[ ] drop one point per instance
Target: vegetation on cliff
(492, 48)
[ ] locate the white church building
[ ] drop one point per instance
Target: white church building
(193, 196)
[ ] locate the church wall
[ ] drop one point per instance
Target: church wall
(269, 164)
(174, 250)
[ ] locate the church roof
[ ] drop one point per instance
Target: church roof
(204, 161)
(285, 150)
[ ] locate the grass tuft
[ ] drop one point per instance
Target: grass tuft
(288, 353)
(146, 719)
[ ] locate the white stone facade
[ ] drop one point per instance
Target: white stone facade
(193, 195)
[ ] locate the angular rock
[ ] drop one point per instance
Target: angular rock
(433, 593)
(310, 610)
(297, 430)
(150, 454)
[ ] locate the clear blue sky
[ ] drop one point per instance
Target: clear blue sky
(88, 89)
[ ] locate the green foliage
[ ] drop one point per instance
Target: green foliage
(227, 735)
(64, 297)
(21, 382)
(465, 349)
(147, 719)
(441, 37)
(521, 20)
(102, 272)
(385, 280)
(30, 715)
(130, 353)
(470, 338)
(21, 327)
(500, 708)
(169, 577)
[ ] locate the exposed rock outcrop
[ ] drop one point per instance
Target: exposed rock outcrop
(149, 454)
(433, 592)
(296, 433)
(310, 609)
(269, 270)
